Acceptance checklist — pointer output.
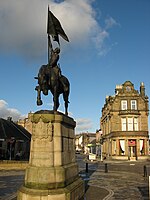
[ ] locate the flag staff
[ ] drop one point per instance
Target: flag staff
(50, 47)
(54, 29)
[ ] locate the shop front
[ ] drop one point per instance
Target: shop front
(132, 150)
(129, 148)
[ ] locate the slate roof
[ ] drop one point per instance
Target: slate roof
(10, 129)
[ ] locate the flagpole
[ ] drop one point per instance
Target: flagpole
(49, 47)
(49, 39)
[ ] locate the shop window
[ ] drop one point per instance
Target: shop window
(141, 147)
(122, 147)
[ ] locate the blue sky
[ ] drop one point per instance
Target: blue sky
(109, 44)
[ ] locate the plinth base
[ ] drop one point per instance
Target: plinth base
(52, 173)
(74, 191)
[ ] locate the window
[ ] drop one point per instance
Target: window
(122, 147)
(123, 122)
(141, 147)
(123, 105)
(130, 124)
(136, 124)
(133, 105)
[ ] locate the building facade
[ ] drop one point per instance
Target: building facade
(124, 123)
(14, 141)
(85, 142)
(26, 123)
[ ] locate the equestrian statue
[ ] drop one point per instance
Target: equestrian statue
(50, 77)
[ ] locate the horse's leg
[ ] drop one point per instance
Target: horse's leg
(56, 103)
(65, 96)
(39, 101)
(55, 99)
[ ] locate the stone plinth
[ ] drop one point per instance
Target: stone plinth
(52, 172)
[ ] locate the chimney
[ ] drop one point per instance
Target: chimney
(142, 89)
(118, 88)
(9, 119)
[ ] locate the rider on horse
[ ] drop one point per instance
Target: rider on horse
(53, 64)
(53, 61)
(50, 78)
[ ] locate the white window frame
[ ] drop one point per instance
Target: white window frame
(133, 105)
(130, 124)
(124, 124)
(124, 105)
(136, 127)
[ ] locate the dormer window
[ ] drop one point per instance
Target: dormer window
(133, 105)
(124, 105)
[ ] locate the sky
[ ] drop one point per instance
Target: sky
(109, 43)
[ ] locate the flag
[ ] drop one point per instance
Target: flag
(54, 28)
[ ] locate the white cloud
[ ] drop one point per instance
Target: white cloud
(23, 25)
(110, 22)
(6, 112)
(83, 125)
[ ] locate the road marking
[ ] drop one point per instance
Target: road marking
(111, 193)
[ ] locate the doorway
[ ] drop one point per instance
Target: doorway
(132, 155)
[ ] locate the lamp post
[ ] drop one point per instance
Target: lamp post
(101, 143)
(11, 147)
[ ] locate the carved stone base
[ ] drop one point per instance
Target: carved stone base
(52, 172)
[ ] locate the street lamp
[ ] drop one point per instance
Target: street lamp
(101, 143)
(11, 147)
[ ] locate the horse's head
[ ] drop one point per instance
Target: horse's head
(43, 79)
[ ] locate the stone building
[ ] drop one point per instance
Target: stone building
(14, 141)
(124, 123)
(85, 142)
(26, 123)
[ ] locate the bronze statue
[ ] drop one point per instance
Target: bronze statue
(54, 57)
(49, 76)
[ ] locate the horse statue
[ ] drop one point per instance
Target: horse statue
(50, 78)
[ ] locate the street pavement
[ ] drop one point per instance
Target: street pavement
(108, 180)
(122, 180)
(10, 181)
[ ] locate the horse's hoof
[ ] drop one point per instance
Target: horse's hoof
(45, 92)
(39, 102)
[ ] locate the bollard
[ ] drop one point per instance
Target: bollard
(145, 171)
(86, 167)
(106, 168)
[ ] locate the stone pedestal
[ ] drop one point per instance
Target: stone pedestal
(52, 173)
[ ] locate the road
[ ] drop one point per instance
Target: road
(124, 180)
